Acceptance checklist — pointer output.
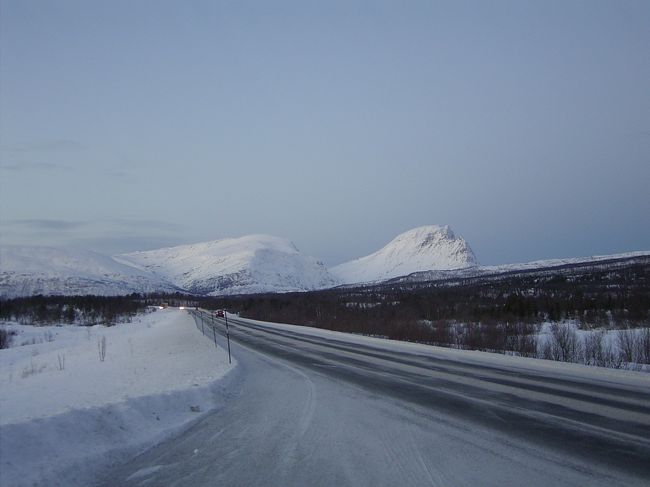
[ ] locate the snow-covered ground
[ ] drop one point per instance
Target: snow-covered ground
(65, 414)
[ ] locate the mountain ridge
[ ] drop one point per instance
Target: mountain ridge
(425, 248)
(248, 264)
(245, 265)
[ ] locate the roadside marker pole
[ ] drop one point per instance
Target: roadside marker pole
(214, 333)
(225, 316)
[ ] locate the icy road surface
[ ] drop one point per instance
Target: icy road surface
(324, 408)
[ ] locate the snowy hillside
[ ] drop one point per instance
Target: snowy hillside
(28, 271)
(250, 264)
(421, 249)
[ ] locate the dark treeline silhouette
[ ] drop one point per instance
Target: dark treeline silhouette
(84, 310)
(607, 298)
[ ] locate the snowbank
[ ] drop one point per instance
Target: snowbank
(65, 413)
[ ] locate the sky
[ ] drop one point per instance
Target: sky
(131, 125)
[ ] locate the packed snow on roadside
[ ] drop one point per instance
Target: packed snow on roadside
(66, 414)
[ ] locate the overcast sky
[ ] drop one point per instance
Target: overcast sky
(131, 125)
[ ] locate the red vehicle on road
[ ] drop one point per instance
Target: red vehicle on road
(219, 313)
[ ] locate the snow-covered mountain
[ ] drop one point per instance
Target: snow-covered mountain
(26, 271)
(421, 249)
(250, 264)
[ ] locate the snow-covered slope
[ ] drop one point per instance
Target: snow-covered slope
(28, 271)
(250, 264)
(421, 249)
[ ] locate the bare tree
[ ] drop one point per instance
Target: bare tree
(522, 339)
(565, 346)
(643, 346)
(627, 345)
(598, 351)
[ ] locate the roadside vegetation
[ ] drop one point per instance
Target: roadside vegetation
(80, 310)
(596, 317)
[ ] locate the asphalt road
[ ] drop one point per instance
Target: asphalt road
(312, 410)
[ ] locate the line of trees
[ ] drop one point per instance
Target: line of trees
(83, 310)
(607, 298)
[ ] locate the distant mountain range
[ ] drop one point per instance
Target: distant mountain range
(250, 264)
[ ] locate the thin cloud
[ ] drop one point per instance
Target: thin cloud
(112, 236)
(57, 145)
(34, 166)
(145, 224)
(42, 224)
(124, 244)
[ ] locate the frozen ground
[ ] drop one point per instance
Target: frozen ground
(65, 414)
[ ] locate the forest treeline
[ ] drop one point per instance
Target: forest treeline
(607, 298)
(83, 310)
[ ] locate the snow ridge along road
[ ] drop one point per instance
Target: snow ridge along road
(316, 407)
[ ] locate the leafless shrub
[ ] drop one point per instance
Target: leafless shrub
(545, 350)
(598, 351)
(522, 339)
(61, 360)
(5, 337)
(101, 347)
(643, 346)
(494, 336)
(32, 369)
(456, 335)
(442, 333)
(564, 343)
(627, 344)
(471, 337)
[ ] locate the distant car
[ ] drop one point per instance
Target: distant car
(181, 307)
(219, 313)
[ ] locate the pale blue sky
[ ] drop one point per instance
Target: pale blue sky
(129, 125)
